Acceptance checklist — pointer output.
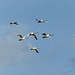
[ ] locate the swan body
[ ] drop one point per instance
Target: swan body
(33, 34)
(46, 35)
(40, 21)
(21, 38)
(35, 49)
(13, 23)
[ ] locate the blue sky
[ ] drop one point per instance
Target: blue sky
(56, 54)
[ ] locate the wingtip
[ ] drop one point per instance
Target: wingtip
(37, 52)
(36, 39)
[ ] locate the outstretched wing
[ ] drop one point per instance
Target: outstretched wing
(19, 36)
(30, 34)
(35, 37)
(36, 50)
(43, 34)
(16, 23)
(37, 20)
(11, 22)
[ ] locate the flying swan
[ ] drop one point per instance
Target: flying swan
(33, 34)
(13, 23)
(40, 21)
(21, 38)
(35, 49)
(46, 35)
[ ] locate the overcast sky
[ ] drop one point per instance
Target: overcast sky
(56, 54)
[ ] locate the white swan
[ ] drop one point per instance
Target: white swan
(21, 38)
(35, 49)
(13, 23)
(46, 35)
(33, 34)
(40, 21)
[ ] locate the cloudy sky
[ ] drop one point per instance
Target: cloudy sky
(56, 54)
